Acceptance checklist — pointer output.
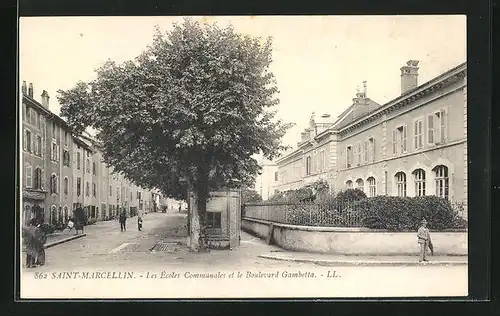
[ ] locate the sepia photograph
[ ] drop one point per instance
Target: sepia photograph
(220, 157)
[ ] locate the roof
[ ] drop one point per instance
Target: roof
(355, 111)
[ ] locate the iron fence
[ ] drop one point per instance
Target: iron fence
(305, 214)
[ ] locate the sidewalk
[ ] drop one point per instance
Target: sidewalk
(343, 260)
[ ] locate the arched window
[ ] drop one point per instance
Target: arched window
(360, 184)
(419, 175)
(38, 178)
(93, 168)
(60, 215)
(442, 181)
(348, 184)
(66, 185)
(401, 183)
(372, 187)
(53, 184)
(29, 176)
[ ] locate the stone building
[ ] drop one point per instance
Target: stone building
(414, 145)
(266, 182)
(61, 171)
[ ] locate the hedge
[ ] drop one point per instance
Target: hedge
(405, 213)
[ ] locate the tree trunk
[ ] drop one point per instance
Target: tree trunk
(197, 224)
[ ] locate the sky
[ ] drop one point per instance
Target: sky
(318, 61)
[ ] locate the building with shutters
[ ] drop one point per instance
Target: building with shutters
(414, 145)
(62, 171)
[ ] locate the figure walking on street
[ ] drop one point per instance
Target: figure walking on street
(139, 223)
(41, 240)
(123, 220)
(424, 239)
(29, 240)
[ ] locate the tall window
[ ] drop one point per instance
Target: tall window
(93, 168)
(87, 189)
(419, 175)
(78, 157)
(66, 158)
(87, 165)
(372, 188)
(401, 183)
(365, 151)
(54, 154)
(348, 184)
(38, 149)
(360, 184)
(28, 146)
(358, 154)
(78, 186)
(276, 176)
(28, 114)
(53, 184)
(371, 149)
(66, 185)
(349, 156)
(38, 178)
(430, 129)
(442, 181)
(441, 131)
(94, 190)
(53, 129)
(37, 120)
(308, 165)
(418, 135)
(110, 191)
(29, 176)
(65, 137)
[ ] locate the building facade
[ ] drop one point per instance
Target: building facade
(266, 182)
(62, 171)
(414, 145)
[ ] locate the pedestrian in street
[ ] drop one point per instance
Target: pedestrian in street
(123, 220)
(139, 223)
(424, 239)
(70, 224)
(41, 239)
(29, 234)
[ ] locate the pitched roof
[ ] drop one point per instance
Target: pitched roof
(355, 111)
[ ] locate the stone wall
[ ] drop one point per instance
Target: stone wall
(353, 241)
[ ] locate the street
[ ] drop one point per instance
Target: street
(108, 263)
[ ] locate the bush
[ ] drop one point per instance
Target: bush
(404, 214)
(351, 195)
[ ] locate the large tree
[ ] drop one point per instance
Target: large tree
(195, 105)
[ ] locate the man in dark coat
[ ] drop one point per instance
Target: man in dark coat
(30, 243)
(123, 220)
(41, 237)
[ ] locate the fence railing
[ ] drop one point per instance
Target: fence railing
(306, 214)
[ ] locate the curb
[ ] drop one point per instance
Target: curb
(325, 262)
(55, 243)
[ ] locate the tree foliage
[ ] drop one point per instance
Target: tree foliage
(195, 105)
(251, 196)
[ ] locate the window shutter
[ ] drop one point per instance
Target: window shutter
(42, 177)
(444, 127)
(373, 149)
(25, 137)
(404, 137)
(28, 176)
(58, 152)
(394, 148)
(430, 129)
(415, 134)
(420, 134)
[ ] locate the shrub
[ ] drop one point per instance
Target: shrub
(47, 228)
(351, 195)
(404, 214)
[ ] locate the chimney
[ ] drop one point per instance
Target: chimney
(409, 76)
(45, 99)
(30, 90)
(24, 88)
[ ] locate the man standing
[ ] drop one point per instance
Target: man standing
(424, 239)
(123, 220)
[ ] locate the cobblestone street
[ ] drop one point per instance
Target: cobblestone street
(128, 255)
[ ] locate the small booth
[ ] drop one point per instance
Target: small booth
(223, 219)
